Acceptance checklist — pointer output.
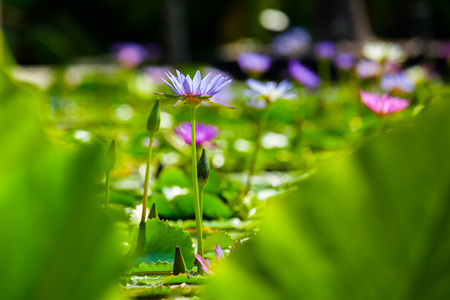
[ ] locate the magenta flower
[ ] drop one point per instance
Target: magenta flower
(303, 74)
(383, 104)
(206, 264)
(203, 132)
(324, 50)
(194, 91)
(129, 55)
(253, 63)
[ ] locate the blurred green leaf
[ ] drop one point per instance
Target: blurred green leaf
(371, 225)
(56, 243)
(153, 268)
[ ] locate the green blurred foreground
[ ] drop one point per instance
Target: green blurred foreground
(374, 224)
(371, 225)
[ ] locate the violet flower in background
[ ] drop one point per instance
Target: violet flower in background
(368, 69)
(292, 43)
(254, 63)
(203, 132)
(383, 104)
(399, 82)
(129, 55)
(206, 264)
(345, 61)
(194, 91)
(303, 74)
(262, 93)
(325, 50)
(155, 73)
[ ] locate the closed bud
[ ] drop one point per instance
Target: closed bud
(179, 267)
(203, 170)
(154, 120)
(153, 212)
(110, 157)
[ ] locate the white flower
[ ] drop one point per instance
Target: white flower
(268, 91)
(382, 51)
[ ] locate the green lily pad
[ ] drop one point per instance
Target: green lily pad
(217, 238)
(153, 268)
(185, 278)
(174, 177)
(181, 290)
(160, 242)
(213, 207)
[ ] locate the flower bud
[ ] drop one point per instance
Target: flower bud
(154, 120)
(203, 170)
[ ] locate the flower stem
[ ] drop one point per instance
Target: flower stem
(107, 190)
(146, 179)
(197, 203)
(262, 125)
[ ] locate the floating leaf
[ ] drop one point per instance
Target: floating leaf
(160, 241)
(185, 278)
(153, 268)
(181, 290)
(220, 238)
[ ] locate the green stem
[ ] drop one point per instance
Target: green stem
(251, 170)
(197, 203)
(107, 190)
(146, 179)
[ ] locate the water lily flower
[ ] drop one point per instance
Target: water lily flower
(383, 104)
(418, 74)
(203, 132)
(345, 61)
(193, 91)
(155, 73)
(324, 50)
(303, 74)
(368, 69)
(292, 43)
(268, 92)
(397, 83)
(254, 63)
(129, 55)
(382, 51)
(206, 264)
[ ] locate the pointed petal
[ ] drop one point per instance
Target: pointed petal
(196, 83)
(204, 264)
(205, 83)
(220, 87)
(219, 253)
(173, 89)
(217, 103)
(212, 84)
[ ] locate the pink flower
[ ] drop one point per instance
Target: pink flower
(383, 104)
(203, 132)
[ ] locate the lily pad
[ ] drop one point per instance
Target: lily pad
(153, 268)
(217, 238)
(160, 242)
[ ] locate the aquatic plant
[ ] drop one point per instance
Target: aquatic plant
(383, 104)
(193, 92)
(254, 64)
(203, 132)
(303, 75)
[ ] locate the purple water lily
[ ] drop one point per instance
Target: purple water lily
(206, 264)
(325, 50)
(129, 55)
(292, 43)
(397, 83)
(345, 61)
(303, 74)
(383, 104)
(368, 69)
(262, 93)
(194, 91)
(254, 63)
(203, 132)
